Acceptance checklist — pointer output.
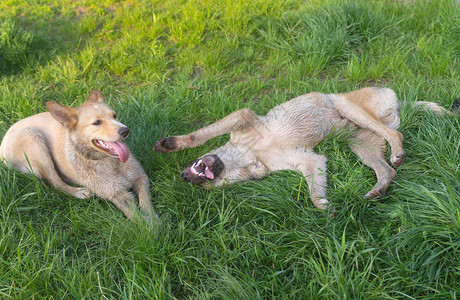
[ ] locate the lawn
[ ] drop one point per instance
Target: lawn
(170, 67)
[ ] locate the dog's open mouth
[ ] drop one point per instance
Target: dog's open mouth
(113, 148)
(200, 168)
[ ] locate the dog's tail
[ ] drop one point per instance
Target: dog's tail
(436, 108)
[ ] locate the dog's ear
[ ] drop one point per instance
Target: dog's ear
(95, 96)
(65, 115)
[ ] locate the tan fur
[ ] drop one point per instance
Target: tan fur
(285, 137)
(57, 146)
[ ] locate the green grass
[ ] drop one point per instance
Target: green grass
(170, 67)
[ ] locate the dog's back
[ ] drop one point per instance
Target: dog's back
(40, 130)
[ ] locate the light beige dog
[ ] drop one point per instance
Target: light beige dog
(81, 145)
(284, 139)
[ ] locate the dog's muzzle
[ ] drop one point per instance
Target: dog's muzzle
(204, 169)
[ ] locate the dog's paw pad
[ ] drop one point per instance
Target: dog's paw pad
(398, 159)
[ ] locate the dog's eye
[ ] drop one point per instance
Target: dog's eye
(97, 122)
(114, 115)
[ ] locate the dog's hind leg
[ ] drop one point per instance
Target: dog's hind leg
(29, 153)
(244, 119)
(366, 118)
(371, 149)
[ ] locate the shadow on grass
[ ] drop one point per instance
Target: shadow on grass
(25, 45)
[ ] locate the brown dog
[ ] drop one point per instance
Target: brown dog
(284, 139)
(84, 146)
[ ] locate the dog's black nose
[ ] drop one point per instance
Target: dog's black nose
(123, 131)
(184, 176)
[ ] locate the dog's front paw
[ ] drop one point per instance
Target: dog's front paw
(151, 217)
(82, 193)
(166, 145)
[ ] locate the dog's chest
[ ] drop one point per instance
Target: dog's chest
(103, 174)
(256, 139)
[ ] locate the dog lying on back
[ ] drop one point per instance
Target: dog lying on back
(82, 145)
(284, 139)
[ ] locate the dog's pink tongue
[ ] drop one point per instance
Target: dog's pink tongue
(121, 150)
(208, 174)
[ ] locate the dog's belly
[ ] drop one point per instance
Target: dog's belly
(304, 125)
